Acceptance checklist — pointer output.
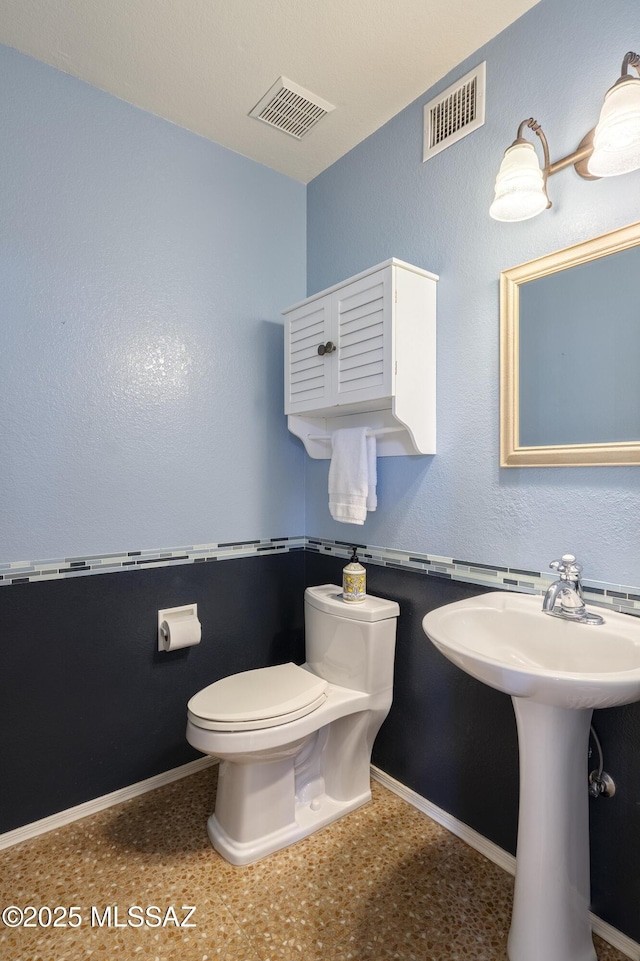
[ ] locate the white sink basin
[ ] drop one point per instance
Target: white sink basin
(556, 672)
(505, 640)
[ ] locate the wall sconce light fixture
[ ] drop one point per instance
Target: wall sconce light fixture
(612, 148)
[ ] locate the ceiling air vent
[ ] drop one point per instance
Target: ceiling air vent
(291, 108)
(454, 113)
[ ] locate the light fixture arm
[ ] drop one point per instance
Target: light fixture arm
(631, 59)
(537, 129)
(577, 159)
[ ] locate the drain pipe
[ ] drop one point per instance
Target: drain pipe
(600, 783)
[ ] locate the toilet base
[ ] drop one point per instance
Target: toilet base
(309, 818)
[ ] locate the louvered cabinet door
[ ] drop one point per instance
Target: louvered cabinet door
(364, 317)
(308, 376)
(377, 363)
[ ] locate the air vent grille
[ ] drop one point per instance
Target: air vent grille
(291, 108)
(456, 112)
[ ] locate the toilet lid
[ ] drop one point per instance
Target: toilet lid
(257, 699)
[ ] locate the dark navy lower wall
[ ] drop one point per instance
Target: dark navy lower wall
(87, 703)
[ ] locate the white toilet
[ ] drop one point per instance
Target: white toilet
(295, 742)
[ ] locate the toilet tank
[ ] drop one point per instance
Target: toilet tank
(350, 643)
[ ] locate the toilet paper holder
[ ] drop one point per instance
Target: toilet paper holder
(178, 627)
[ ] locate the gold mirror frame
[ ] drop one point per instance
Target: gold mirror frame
(571, 455)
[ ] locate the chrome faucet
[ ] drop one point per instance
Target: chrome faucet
(564, 596)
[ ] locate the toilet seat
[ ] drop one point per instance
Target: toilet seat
(258, 699)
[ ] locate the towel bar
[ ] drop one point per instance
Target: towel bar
(370, 433)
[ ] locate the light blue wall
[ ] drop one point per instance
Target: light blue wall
(555, 64)
(142, 274)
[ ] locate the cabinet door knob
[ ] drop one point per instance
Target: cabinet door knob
(327, 348)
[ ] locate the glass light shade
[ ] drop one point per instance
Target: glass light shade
(616, 142)
(520, 192)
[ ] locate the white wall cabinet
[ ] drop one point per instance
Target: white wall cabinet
(363, 353)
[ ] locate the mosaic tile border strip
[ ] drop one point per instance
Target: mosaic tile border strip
(620, 598)
(613, 596)
(26, 572)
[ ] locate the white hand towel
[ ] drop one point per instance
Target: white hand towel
(372, 495)
(350, 475)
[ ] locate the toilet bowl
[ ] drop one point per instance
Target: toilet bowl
(295, 742)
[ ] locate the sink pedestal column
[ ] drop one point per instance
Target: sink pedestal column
(550, 919)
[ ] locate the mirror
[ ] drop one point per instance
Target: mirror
(570, 356)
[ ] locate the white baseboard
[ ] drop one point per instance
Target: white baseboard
(55, 821)
(494, 853)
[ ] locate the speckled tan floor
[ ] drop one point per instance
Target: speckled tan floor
(385, 882)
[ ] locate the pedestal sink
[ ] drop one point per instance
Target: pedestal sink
(556, 672)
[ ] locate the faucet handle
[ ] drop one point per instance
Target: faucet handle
(567, 566)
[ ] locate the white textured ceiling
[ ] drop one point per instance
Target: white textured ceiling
(203, 64)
